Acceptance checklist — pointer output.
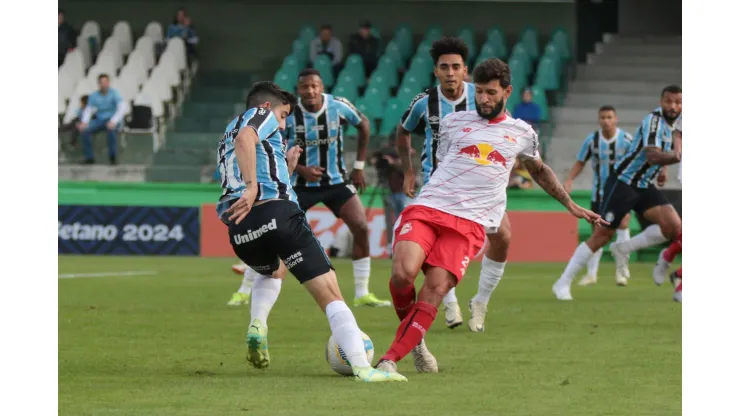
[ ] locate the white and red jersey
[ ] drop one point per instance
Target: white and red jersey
(677, 127)
(475, 157)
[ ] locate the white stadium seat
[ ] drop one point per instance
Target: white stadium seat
(154, 31)
(84, 46)
(125, 87)
(67, 84)
(112, 47)
(105, 65)
(145, 47)
(135, 71)
(61, 105)
(176, 46)
(122, 32)
(90, 29)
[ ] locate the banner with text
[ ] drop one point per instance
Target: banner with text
(128, 230)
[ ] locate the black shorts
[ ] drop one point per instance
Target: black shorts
(278, 230)
(333, 196)
(620, 198)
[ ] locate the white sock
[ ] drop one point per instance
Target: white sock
(450, 297)
(576, 263)
(650, 236)
(593, 263)
(346, 333)
(361, 269)
(490, 274)
(248, 281)
(265, 291)
(623, 234)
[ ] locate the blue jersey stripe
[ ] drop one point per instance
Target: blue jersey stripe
(634, 168)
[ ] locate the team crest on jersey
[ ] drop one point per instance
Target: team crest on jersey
(261, 111)
(301, 129)
(433, 120)
(405, 229)
(483, 154)
(609, 217)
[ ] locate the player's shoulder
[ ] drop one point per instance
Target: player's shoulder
(420, 98)
(517, 125)
(334, 99)
(625, 136)
(460, 117)
(653, 115)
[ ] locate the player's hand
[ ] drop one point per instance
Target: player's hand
(110, 125)
(292, 156)
(243, 205)
(358, 179)
(588, 215)
(568, 186)
(662, 177)
(312, 173)
(409, 183)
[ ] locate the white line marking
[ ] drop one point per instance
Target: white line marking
(108, 274)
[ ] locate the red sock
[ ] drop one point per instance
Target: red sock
(672, 250)
(411, 331)
(678, 288)
(403, 299)
(678, 272)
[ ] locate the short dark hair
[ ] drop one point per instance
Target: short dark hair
(449, 46)
(269, 91)
(671, 89)
(101, 76)
(607, 108)
(325, 26)
(491, 70)
(308, 72)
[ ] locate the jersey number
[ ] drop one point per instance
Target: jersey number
(465, 262)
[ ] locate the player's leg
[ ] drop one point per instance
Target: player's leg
(665, 258)
(492, 269)
(241, 296)
(623, 233)
(307, 261)
(346, 205)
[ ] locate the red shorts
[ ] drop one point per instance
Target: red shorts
(449, 242)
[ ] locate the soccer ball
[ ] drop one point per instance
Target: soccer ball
(338, 361)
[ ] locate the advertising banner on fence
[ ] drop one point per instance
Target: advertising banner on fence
(128, 230)
(537, 236)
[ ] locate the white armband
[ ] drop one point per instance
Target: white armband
(359, 165)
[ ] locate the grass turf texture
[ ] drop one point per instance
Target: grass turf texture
(167, 344)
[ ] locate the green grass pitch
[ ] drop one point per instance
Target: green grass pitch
(167, 344)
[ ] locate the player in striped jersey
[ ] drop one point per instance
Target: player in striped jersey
(631, 187)
(604, 147)
(452, 94)
(269, 232)
(316, 126)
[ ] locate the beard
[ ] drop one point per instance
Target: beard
(497, 109)
(670, 118)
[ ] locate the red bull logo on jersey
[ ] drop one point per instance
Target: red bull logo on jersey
(483, 154)
(510, 139)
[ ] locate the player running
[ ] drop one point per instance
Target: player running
(452, 95)
(603, 147)
(241, 296)
(316, 126)
(444, 228)
(666, 256)
(630, 188)
(269, 232)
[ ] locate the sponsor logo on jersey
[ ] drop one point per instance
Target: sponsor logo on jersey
(483, 154)
(252, 235)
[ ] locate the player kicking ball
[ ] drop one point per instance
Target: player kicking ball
(604, 147)
(452, 94)
(444, 228)
(269, 232)
(630, 188)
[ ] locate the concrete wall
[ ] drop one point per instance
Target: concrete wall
(241, 35)
(650, 17)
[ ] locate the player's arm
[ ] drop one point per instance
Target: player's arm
(409, 121)
(350, 113)
(583, 155)
(653, 143)
(546, 179)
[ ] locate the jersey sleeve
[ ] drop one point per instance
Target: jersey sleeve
(347, 111)
(585, 153)
(263, 121)
(289, 132)
(415, 112)
(677, 126)
(531, 143)
(650, 131)
(445, 138)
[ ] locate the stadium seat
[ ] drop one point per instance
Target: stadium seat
(529, 38)
(552, 50)
(348, 92)
(406, 94)
(145, 48)
(547, 75)
(423, 49)
(91, 29)
(300, 52)
(285, 80)
(497, 39)
(324, 66)
(380, 81)
(394, 109)
(468, 36)
(404, 37)
(346, 79)
(433, 33)
(154, 31)
(539, 97)
(519, 53)
(413, 81)
(422, 63)
(307, 34)
(291, 66)
(388, 70)
(371, 104)
(356, 67)
(561, 38)
(122, 32)
(393, 51)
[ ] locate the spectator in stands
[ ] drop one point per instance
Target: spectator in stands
(390, 175)
(365, 44)
(327, 44)
(527, 110)
(182, 27)
(67, 37)
(109, 109)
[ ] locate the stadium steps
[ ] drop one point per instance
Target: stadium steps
(138, 150)
(626, 72)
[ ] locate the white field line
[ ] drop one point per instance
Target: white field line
(106, 274)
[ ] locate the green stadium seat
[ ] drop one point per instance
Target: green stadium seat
(422, 63)
(285, 80)
(355, 66)
(348, 80)
(291, 65)
(468, 36)
(552, 50)
(380, 81)
(560, 37)
(300, 51)
(393, 51)
(403, 36)
(307, 34)
(406, 94)
(519, 53)
(413, 81)
(490, 50)
(547, 75)
(346, 91)
(351, 131)
(529, 38)
(539, 97)
(324, 66)
(394, 109)
(497, 39)
(372, 103)
(388, 72)
(433, 33)
(423, 48)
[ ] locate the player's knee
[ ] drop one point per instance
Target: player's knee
(402, 275)
(500, 240)
(360, 230)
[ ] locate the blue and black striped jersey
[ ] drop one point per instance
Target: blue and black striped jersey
(603, 153)
(633, 167)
